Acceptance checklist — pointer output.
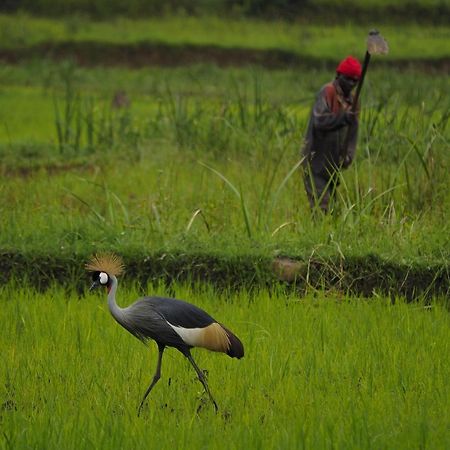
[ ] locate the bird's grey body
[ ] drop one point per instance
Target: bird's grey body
(170, 323)
(157, 318)
(147, 318)
(173, 323)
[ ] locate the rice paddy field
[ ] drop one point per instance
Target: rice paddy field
(175, 142)
(319, 372)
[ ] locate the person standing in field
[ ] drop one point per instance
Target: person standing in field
(327, 148)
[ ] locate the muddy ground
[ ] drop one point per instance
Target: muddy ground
(156, 54)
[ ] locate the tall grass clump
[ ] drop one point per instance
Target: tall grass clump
(86, 123)
(236, 123)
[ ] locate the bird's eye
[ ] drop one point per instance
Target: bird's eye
(103, 278)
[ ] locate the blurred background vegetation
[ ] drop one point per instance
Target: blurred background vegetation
(436, 11)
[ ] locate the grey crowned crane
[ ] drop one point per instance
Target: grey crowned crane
(167, 321)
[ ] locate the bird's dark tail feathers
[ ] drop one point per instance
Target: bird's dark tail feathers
(236, 349)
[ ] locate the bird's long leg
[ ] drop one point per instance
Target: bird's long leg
(156, 377)
(202, 378)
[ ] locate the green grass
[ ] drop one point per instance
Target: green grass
(28, 115)
(318, 372)
(28, 91)
(141, 179)
(407, 42)
(150, 207)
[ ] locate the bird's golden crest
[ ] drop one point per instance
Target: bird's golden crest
(110, 263)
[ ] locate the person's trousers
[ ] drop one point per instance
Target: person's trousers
(320, 189)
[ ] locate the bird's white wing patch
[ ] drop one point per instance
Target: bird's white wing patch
(213, 337)
(191, 336)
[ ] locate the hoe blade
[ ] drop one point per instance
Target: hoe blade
(376, 44)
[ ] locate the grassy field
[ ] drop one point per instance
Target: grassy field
(408, 42)
(322, 372)
(199, 170)
(225, 142)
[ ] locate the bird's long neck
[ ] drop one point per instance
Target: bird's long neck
(115, 310)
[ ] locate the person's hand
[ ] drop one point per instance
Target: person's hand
(351, 117)
(346, 162)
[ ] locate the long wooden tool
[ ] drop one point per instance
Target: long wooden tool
(376, 45)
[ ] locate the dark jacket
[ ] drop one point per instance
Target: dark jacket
(327, 130)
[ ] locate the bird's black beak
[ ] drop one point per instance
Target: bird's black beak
(95, 285)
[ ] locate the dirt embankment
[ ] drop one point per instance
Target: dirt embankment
(158, 54)
(363, 276)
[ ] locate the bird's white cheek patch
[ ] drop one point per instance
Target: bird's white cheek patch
(103, 278)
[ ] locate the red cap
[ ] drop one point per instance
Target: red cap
(350, 67)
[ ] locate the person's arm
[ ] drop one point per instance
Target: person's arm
(323, 116)
(351, 147)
